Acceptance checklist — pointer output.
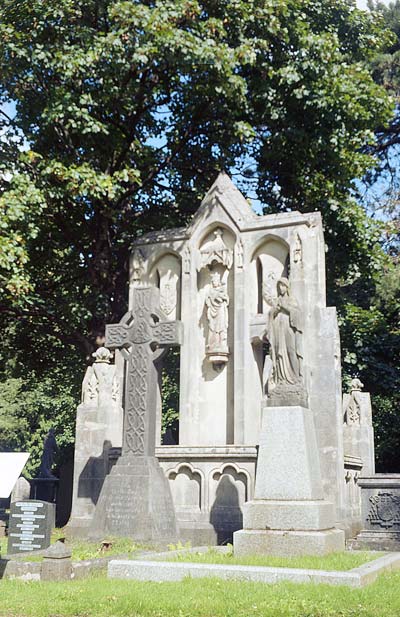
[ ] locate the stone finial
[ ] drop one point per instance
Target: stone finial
(356, 385)
(102, 354)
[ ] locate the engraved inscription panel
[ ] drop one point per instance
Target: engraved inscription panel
(30, 526)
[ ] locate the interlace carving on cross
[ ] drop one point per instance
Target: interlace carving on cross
(146, 332)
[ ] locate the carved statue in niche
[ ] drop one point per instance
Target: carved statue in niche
(216, 304)
(217, 258)
(284, 334)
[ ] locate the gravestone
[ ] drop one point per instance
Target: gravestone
(136, 500)
(30, 526)
(380, 511)
(45, 485)
(21, 490)
(98, 429)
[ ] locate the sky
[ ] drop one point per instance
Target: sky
(362, 4)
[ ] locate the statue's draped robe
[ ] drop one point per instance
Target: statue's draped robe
(285, 339)
(217, 314)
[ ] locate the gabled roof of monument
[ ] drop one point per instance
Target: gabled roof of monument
(225, 193)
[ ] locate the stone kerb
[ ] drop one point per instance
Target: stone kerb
(159, 571)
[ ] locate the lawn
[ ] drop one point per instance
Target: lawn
(334, 561)
(197, 598)
(83, 549)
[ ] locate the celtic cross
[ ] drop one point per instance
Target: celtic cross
(146, 332)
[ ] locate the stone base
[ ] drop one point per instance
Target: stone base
(288, 515)
(288, 543)
(78, 527)
(135, 502)
(376, 541)
(288, 395)
(288, 467)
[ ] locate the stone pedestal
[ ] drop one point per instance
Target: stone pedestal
(56, 565)
(136, 502)
(380, 512)
(288, 515)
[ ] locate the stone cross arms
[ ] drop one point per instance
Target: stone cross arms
(144, 330)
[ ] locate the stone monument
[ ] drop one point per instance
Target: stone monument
(135, 500)
(98, 429)
(45, 485)
(260, 357)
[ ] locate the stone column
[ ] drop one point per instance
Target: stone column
(288, 515)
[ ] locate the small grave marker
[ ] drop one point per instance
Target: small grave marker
(30, 526)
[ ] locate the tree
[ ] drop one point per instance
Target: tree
(127, 110)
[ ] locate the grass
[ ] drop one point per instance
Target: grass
(197, 598)
(335, 561)
(83, 549)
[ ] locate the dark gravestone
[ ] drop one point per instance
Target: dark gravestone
(380, 513)
(45, 486)
(30, 526)
(136, 499)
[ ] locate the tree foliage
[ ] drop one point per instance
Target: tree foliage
(126, 110)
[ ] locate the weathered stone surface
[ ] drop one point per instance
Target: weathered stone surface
(136, 502)
(177, 571)
(288, 515)
(380, 511)
(136, 498)
(98, 429)
(288, 462)
(21, 490)
(30, 526)
(250, 291)
(209, 487)
(57, 564)
(288, 543)
(302, 516)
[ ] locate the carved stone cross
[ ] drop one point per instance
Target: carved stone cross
(146, 332)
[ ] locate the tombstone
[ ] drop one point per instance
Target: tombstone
(135, 500)
(45, 485)
(258, 338)
(30, 526)
(21, 490)
(380, 513)
(98, 430)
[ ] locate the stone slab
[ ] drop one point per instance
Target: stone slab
(30, 526)
(288, 449)
(136, 502)
(288, 543)
(376, 541)
(176, 571)
(288, 515)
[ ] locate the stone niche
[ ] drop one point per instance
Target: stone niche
(220, 277)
